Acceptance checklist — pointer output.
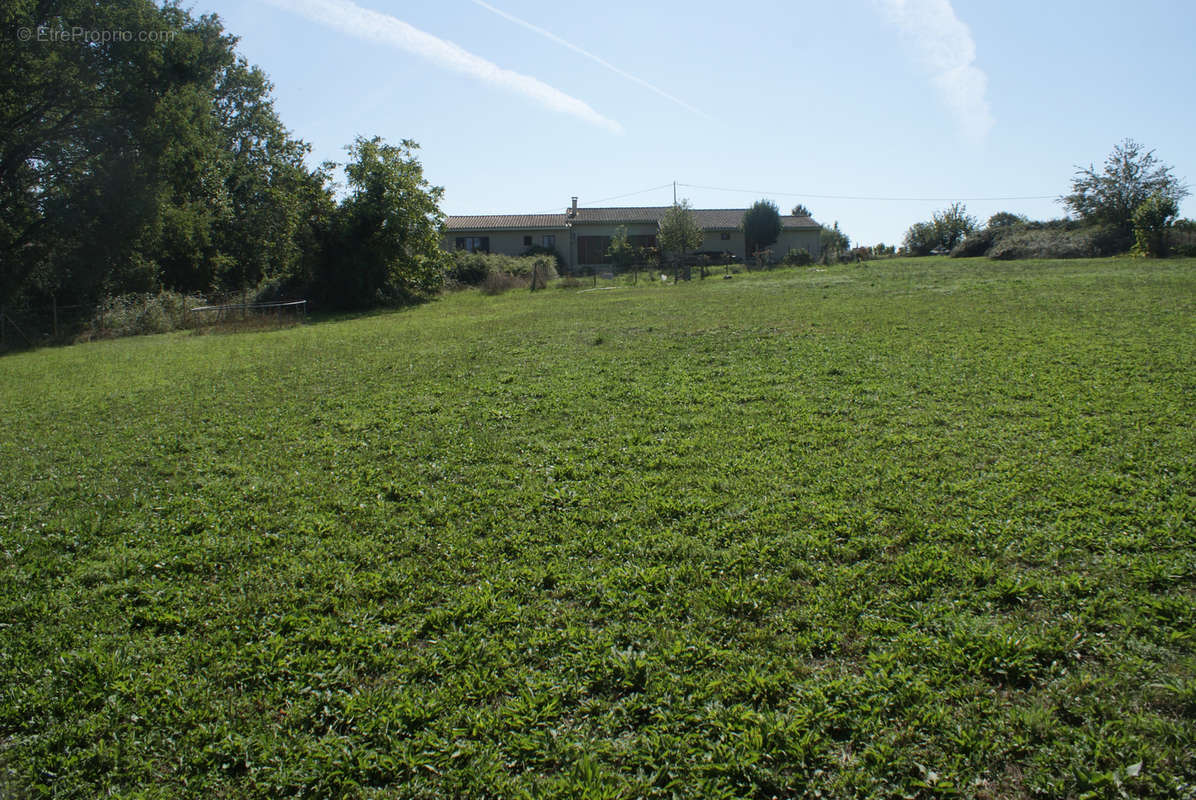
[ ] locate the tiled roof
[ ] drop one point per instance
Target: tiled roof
(487, 222)
(708, 219)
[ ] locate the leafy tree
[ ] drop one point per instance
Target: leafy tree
(800, 210)
(386, 232)
(1131, 175)
(761, 225)
(138, 165)
(946, 229)
(1005, 219)
(920, 239)
(679, 230)
(833, 242)
(621, 251)
(952, 224)
(1152, 220)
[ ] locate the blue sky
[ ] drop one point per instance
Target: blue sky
(519, 104)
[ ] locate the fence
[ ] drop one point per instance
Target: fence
(201, 316)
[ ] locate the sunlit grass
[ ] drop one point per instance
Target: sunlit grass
(911, 528)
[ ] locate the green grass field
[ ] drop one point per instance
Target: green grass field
(917, 528)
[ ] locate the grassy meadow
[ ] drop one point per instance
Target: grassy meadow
(913, 528)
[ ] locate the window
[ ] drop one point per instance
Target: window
(549, 240)
(726, 237)
(474, 244)
(527, 241)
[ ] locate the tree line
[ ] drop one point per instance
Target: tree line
(139, 166)
(1131, 203)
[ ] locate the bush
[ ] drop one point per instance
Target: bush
(137, 314)
(472, 269)
(499, 282)
(798, 258)
(978, 243)
(1052, 240)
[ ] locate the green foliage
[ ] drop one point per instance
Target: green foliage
(679, 230)
(1152, 220)
(1131, 175)
(385, 246)
(138, 314)
(833, 242)
(799, 257)
(800, 210)
(1058, 239)
(917, 530)
(761, 225)
(1006, 219)
(472, 269)
(946, 229)
(138, 165)
(622, 252)
(920, 239)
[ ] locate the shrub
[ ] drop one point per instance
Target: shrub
(472, 269)
(1049, 240)
(798, 258)
(499, 282)
(1151, 222)
(977, 243)
(137, 314)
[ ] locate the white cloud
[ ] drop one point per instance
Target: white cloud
(352, 19)
(945, 46)
(581, 51)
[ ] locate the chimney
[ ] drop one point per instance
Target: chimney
(573, 210)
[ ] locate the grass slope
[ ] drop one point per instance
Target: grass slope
(917, 528)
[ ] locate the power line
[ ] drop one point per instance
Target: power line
(861, 197)
(616, 197)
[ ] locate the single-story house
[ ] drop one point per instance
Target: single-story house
(582, 235)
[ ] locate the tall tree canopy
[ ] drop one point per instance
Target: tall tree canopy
(679, 229)
(761, 225)
(1131, 175)
(142, 163)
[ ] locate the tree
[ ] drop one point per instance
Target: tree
(386, 232)
(130, 165)
(800, 210)
(833, 242)
(621, 251)
(1005, 219)
(952, 224)
(679, 230)
(761, 225)
(920, 239)
(946, 229)
(1152, 220)
(1131, 175)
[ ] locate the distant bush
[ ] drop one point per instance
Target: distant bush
(978, 243)
(540, 250)
(1182, 238)
(798, 258)
(137, 314)
(472, 269)
(1055, 240)
(499, 282)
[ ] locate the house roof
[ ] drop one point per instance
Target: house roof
(708, 219)
(489, 222)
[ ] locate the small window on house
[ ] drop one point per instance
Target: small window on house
(726, 237)
(549, 240)
(527, 241)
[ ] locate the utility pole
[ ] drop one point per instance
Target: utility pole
(674, 192)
